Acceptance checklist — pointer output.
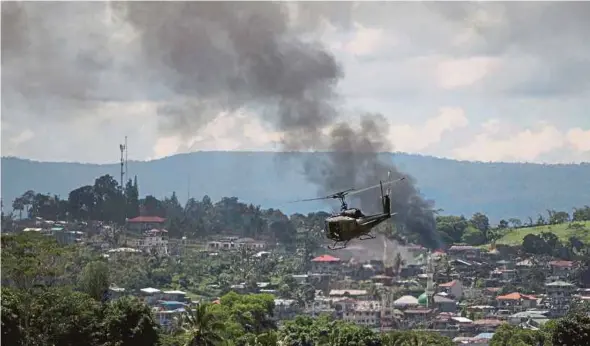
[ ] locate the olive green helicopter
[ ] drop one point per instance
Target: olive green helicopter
(351, 223)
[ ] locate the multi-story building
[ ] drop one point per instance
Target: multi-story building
(153, 241)
(365, 313)
(559, 297)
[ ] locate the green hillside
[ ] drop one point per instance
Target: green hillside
(562, 231)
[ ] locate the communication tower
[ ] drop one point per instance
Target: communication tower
(123, 148)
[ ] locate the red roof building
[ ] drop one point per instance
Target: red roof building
(326, 259)
(516, 297)
(146, 219)
(449, 284)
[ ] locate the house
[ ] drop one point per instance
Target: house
(365, 313)
(487, 325)
(285, 309)
(454, 289)
(167, 319)
(482, 310)
(444, 304)
(326, 264)
(153, 241)
(222, 244)
(141, 224)
(465, 251)
(516, 301)
(356, 294)
(234, 243)
(251, 244)
(170, 305)
(559, 296)
(561, 269)
(66, 237)
(503, 275)
(178, 296)
(116, 292)
(524, 316)
(320, 306)
(417, 315)
(301, 278)
(382, 279)
(150, 295)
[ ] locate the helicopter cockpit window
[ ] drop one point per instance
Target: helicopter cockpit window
(333, 230)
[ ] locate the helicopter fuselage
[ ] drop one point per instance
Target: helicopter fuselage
(342, 228)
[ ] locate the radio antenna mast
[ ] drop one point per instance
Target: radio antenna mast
(123, 148)
(126, 151)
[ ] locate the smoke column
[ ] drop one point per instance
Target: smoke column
(208, 58)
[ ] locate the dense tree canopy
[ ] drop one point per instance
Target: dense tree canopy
(107, 201)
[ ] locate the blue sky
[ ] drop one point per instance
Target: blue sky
(475, 81)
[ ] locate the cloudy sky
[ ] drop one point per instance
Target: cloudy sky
(472, 81)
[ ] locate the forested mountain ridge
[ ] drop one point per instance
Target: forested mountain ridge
(500, 190)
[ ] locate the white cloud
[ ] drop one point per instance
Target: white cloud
(579, 139)
(525, 145)
(228, 131)
(456, 73)
(410, 138)
(22, 137)
(365, 41)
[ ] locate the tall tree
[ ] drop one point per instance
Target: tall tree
(94, 280)
(202, 327)
(131, 199)
(482, 223)
(129, 322)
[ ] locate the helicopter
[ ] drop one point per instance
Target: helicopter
(351, 223)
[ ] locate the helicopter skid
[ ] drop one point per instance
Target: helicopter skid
(337, 247)
(367, 236)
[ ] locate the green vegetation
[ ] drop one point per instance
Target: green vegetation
(41, 307)
(564, 231)
(57, 295)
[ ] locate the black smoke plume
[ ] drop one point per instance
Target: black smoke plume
(204, 58)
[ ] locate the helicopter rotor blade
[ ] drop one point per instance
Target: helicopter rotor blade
(375, 186)
(310, 199)
(332, 196)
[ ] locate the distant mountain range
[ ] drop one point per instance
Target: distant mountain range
(501, 190)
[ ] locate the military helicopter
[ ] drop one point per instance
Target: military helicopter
(351, 223)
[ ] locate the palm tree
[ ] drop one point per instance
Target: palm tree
(201, 327)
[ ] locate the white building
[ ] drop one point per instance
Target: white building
(154, 241)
